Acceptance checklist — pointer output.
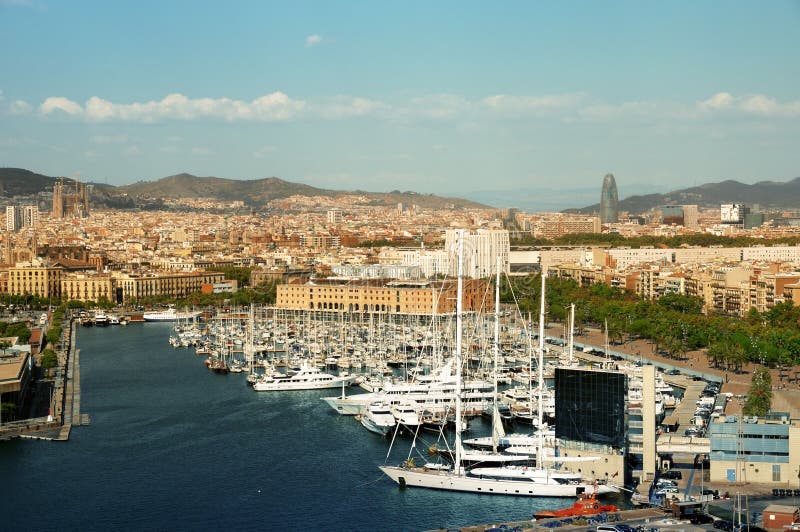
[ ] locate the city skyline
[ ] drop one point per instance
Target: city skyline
(456, 99)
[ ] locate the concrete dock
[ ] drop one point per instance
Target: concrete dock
(65, 409)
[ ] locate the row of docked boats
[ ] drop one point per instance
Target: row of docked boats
(495, 474)
(444, 394)
(100, 319)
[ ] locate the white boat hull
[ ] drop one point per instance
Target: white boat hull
(371, 426)
(352, 405)
(448, 480)
(286, 386)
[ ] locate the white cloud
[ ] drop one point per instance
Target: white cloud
(268, 108)
(19, 107)
(279, 107)
(755, 104)
(168, 149)
(435, 106)
(263, 152)
(347, 107)
(90, 154)
(533, 104)
(109, 139)
(200, 150)
(313, 40)
(132, 150)
(58, 103)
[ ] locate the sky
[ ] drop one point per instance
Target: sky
(514, 102)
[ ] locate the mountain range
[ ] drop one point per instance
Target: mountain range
(766, 194)
(254, 193)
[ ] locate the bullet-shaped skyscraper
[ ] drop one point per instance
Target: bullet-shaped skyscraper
(608, 200)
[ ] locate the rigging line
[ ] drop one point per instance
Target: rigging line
(369, 482)
(414, 441)
(516, 302)
(396, 430)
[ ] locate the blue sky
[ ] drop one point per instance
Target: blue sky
(514, 101)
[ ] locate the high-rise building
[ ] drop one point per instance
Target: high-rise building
(609, 200)
(732, 213)
(13, 218)
(672, 214)
(30, 215)
(690, 216)
(481, 250)
(334, 216)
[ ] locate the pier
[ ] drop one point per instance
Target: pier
(569, 523)
(65, 404)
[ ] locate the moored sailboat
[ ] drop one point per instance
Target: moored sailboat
(537, 481)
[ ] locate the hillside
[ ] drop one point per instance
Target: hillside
(767, 194)
(19, 182)
(254, 193)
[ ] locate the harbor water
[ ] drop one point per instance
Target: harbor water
(174, 446)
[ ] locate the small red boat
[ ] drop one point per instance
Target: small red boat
(587, 504)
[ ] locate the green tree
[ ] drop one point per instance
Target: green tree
(759, 398)
(53, 335)
(49, 359)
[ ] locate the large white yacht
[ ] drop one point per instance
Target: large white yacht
(305, 377)
(434, 393)
(378, 418)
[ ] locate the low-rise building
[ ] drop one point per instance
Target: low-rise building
(749, 449)
(398, 297)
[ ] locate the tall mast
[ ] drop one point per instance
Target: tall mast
(540, 450)
(571, 331)
(459, 309)
(496, 353)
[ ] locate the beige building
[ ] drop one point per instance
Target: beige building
(422, 297)
(563, 224)
(87, 286)
(767, 289)
(178, 284)
(35, 278)
(582, 275)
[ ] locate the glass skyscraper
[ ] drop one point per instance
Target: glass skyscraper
(608, 200)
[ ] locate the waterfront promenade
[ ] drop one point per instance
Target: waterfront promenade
(64, 402)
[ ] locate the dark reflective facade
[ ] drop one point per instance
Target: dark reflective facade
(590, 406)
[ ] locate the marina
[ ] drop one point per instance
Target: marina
(172, 445)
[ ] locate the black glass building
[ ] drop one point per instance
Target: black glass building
(590, 406)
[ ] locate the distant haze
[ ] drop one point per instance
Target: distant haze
(543, 199)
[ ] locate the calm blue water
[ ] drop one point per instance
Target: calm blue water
(173, 446)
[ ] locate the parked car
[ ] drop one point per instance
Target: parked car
(722, 524)
(700, 519)
(666, 491)
(672, 474)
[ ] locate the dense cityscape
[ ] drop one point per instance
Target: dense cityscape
(486, 267)
(315, 258)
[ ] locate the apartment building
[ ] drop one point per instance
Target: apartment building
(481, 250)
(37, 278)
(174, 284)
(397, 297)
